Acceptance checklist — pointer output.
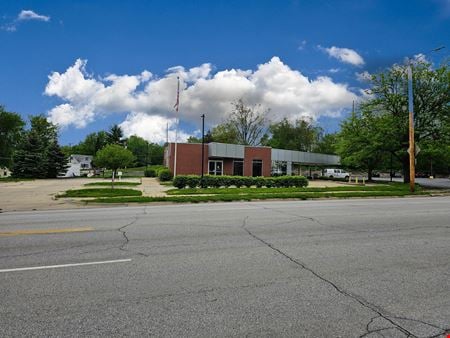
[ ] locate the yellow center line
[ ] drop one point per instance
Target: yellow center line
(43, 231)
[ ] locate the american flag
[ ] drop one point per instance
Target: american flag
(177, 104)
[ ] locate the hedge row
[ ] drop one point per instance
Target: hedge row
(194, 181)
(163, 174)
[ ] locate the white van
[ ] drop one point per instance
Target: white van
(337, 173)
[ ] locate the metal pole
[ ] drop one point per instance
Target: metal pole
(177, 105)
(203, 148)
(412, 155)
(390, 171)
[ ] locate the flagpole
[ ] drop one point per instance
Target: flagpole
(177, 105)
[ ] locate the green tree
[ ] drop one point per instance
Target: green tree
(224, 133)
(39, 154)
(299, 135)
(113, 157)
(431, 108)
(115, 135)
(92, 143)
(326, 144)
(56, 160)
(11, 131)
(156, 153)
(29, 161)
(359, 144)
(144, 151)
(208, 138)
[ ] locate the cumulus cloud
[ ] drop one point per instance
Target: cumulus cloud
(24, 15)
(153, 128)
(31, 15)
(149, 99)
(345, 55)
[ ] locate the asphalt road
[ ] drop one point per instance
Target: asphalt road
(436, 183)
(336, 268)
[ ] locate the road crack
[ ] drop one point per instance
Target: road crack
(123, 231)
(365, 303)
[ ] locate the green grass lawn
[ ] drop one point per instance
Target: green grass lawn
(131, 184)
(257, 196)
(101, 192)
(234, 191)
(12, 179)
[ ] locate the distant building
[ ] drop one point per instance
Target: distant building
(79, 165)
(240, 160)
(4, 172)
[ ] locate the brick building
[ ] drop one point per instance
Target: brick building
(239, 160)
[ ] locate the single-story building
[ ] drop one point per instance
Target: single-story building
(78, 165)
(240, 160)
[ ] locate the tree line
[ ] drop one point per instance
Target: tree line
(36, 153)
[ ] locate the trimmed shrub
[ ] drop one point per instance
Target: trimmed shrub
(194, 181)
(165, 175)
(150, 173)
(180, 182)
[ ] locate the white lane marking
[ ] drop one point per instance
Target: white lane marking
(65, 265)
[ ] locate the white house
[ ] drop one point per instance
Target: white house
(78, 165)
(4, 172)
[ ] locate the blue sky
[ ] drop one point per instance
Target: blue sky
(298, 58)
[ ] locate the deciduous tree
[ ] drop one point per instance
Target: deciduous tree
(113, 157)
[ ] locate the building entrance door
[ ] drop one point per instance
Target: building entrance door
(215, 168)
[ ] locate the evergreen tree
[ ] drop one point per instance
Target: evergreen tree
(39, 155)
(56, 161)
(115, 135)
(28, 161)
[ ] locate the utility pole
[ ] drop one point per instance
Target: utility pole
(411, 150)
(203, 149)
(412, 147)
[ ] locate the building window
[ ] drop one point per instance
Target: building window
(257, 168)
(238, 168)
(215, 167)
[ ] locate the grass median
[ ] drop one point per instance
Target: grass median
(101, 192)
(234, 191)
(254, 196)
(128, 184)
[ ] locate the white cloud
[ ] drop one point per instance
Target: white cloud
(31, 15)
(345, 55)
(153, 128)
(24, 15)
(149, 100)
(364, 76)
(334, 70)
(302, 45)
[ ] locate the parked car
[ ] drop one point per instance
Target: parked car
(336, 173)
